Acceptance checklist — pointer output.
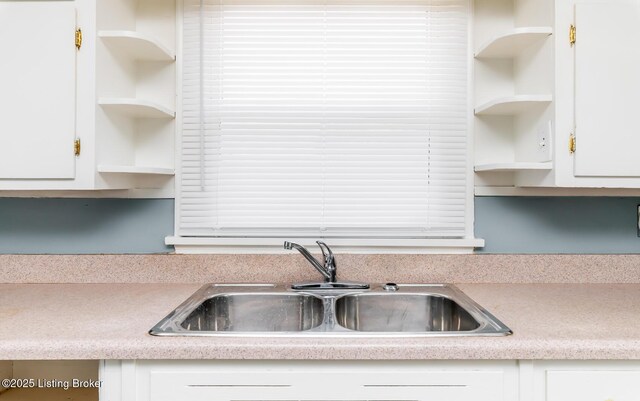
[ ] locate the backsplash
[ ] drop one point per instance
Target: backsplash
(243, 268)
(138, 226)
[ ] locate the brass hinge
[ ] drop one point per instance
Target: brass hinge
(77, 147)
(78, 38)
(572, 35)
(572, 144)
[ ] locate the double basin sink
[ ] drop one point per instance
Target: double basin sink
(276, 310)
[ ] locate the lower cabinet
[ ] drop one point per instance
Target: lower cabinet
(593, 385)
(370, 381)
(317, 385)
(313, 381)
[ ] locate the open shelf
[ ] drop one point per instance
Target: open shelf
(139, 46)
(512, 43)
(515, 166)
(512, 105)
(121, 169)
(136, 107)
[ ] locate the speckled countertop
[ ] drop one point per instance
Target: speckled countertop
(110, 321)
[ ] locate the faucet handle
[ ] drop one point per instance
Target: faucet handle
(329, 259)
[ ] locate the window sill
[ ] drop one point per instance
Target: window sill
(208, 245)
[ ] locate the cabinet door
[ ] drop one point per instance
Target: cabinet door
(593, 386)
(607, 88)
(37, 89)
(327, 386)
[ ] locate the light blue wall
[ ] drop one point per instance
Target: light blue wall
(509, 225)
(76, 226)
(558, 225)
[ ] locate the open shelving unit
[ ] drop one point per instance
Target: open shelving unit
(514, 86)
(136, 93)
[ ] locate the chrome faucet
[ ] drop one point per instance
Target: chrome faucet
(327, 269)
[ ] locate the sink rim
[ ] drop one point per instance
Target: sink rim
(489, 325)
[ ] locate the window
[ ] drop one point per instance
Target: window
(325, 118)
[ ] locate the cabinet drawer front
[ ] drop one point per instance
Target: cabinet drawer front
(321, 386)
(593, 385)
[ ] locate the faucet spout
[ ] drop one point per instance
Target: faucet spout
(328, 274)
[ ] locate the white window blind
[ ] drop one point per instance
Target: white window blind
(324, 117)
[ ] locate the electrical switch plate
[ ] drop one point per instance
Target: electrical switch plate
(544, 141)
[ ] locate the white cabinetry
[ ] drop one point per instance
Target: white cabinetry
(597, 92)
(116, 94)
(536, 90)
(598, 385)
(370, 380)
(319, 381)
(607, 89)
(37, 89)
(584, 381)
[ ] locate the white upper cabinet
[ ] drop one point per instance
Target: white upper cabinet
(557, 89)
(534, 90)
(607, 89)
(38, 89)
(115, 92)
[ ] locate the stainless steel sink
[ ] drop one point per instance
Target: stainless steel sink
(266, 312)
(276, 310)
(412, 313)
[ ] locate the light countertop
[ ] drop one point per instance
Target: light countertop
(110, 321)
